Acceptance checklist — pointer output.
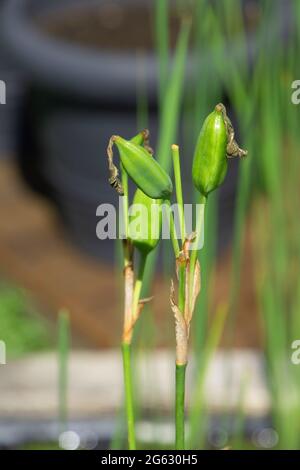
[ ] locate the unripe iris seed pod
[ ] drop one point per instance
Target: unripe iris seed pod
(210, 159)
(143, 169)
(141, 138)
(151, 228)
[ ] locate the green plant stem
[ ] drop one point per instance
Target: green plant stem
(139, 282)
(180, 368)
(142, 117)
(125, 200)
(173, 233)
(162, 43)
(178, 185)
(63, 355)
(207, 261)
(179, 407)
(126, 352)
(199, 228)
(169, 115)
(180, 371)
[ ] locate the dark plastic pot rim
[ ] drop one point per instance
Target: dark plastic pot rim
(17, 433)
(105, 76)
(70, 68)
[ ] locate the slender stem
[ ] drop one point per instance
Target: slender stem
(199, 228)
(180, 371)
(169, 115)
(179, 407)
(132, 306)
(126, 343)
(162, 43)
(181, 368)
(173, 233)
(125, 200)
(178, 184)
(63, 351)
(126, 352)
(142, 99)
(139, 283)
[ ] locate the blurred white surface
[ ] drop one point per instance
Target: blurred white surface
(28, 387)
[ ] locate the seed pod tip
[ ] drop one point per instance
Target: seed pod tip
(219, 107)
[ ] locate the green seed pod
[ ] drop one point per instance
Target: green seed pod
(210, 159)
(141, 138)
(143, 169)
(145, 233)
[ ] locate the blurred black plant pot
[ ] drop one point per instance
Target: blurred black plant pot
(83, 71)
(80, 90)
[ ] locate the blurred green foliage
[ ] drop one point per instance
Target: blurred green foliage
(246, 54)
(21, 328)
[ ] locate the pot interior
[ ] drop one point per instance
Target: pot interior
(105, 25)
